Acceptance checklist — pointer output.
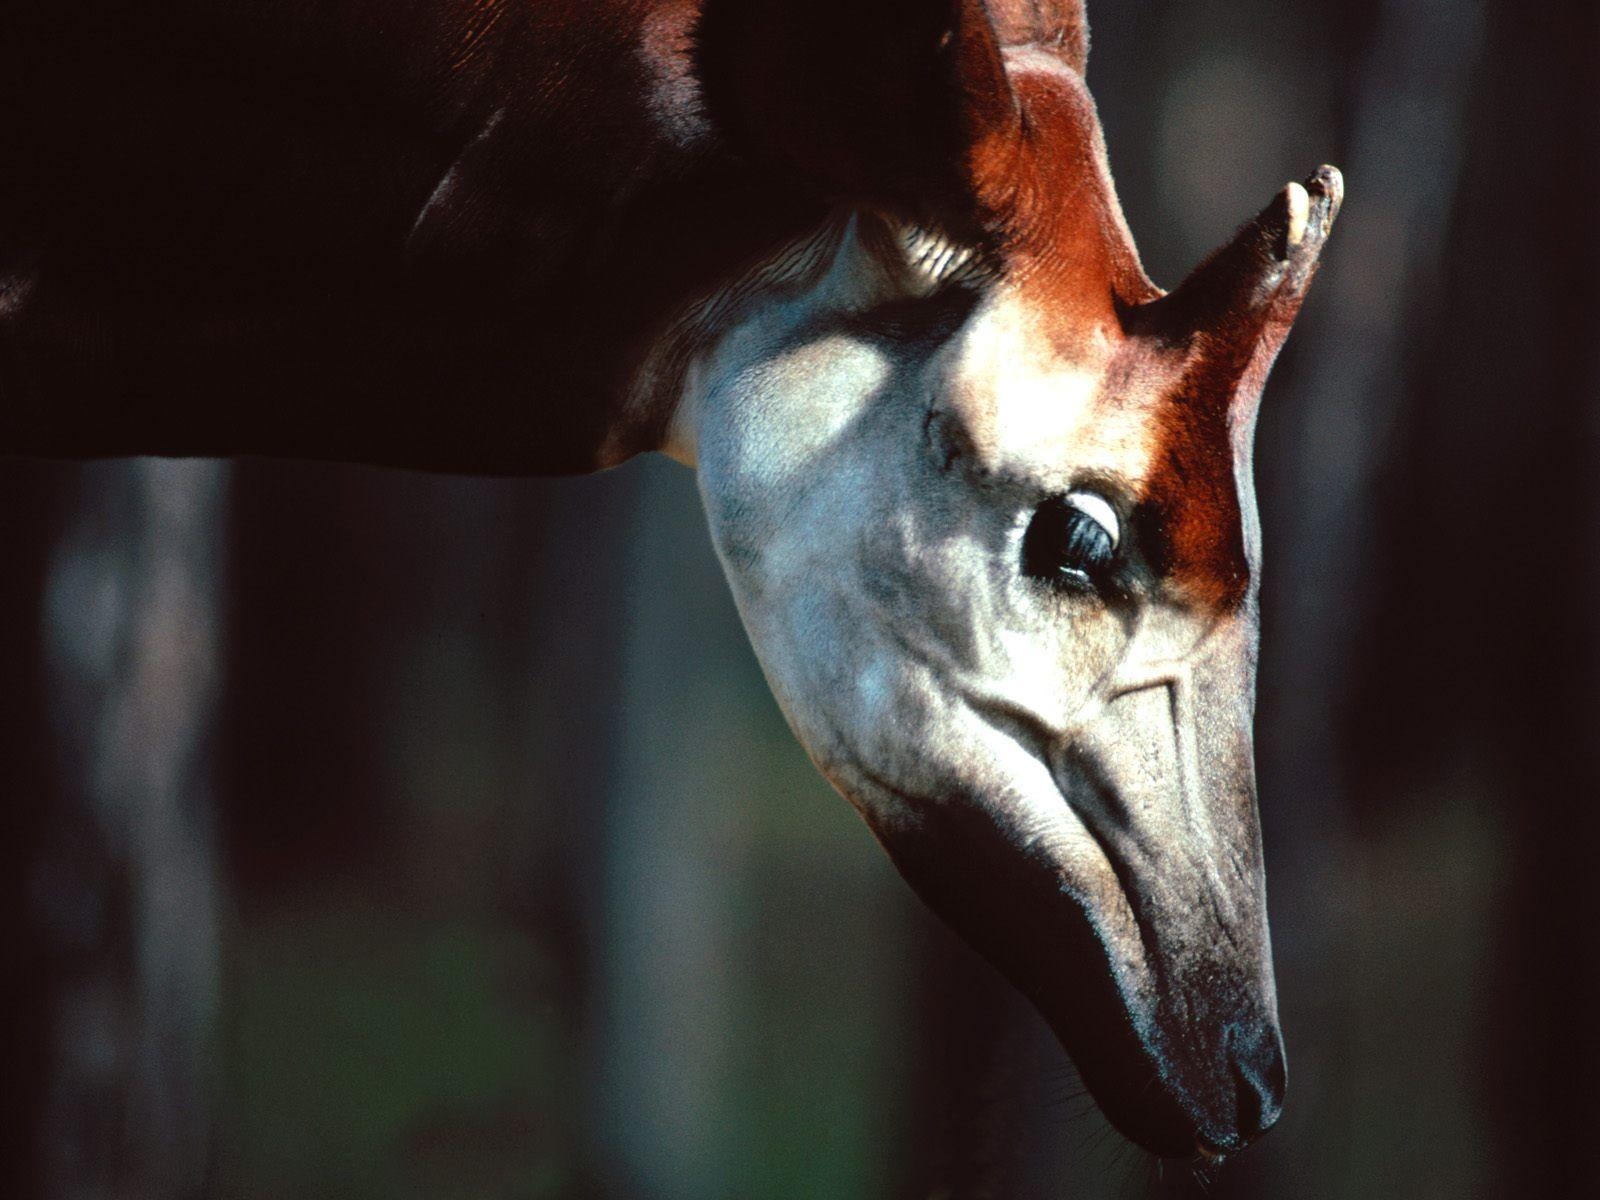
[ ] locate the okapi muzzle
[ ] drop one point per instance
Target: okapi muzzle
(984, 495)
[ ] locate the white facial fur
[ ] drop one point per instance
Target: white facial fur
(869, 497)
(869, 504)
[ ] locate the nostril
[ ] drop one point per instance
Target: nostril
(1262, 1076)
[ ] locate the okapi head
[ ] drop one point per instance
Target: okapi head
(984, 496)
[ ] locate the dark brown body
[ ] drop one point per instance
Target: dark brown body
(436, 234)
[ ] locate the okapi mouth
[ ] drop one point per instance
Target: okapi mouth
(1082, 957)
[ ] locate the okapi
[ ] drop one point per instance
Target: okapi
(982, 490)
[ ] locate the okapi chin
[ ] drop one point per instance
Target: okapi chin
(981, 489)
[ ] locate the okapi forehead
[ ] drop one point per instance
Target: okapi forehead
(1068, 378)
(1016, 409)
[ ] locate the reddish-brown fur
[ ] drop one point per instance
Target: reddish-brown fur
(1043, 190)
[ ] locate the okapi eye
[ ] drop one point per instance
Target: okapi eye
(1071, 540)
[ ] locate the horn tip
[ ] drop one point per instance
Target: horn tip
(1325, 186)
(1306, 212)
(1327, 180)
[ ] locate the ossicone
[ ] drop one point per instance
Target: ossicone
(1238, 305)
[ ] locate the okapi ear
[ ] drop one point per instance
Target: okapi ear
(1235, 309)
(879, 101)
(1059, 26)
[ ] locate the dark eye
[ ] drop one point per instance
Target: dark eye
(1072, 540)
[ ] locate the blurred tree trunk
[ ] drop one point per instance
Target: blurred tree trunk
(121, 893)
(1520, 505)
(1477, 693)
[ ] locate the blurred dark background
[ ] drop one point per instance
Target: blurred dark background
(372, 834)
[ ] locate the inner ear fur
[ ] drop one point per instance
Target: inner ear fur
(880, 102)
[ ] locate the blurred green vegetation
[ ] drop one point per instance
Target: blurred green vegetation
(409, 1009)
(373, 1053)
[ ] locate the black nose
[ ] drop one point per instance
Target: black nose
(1261, 1076)
(1255, 1061)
